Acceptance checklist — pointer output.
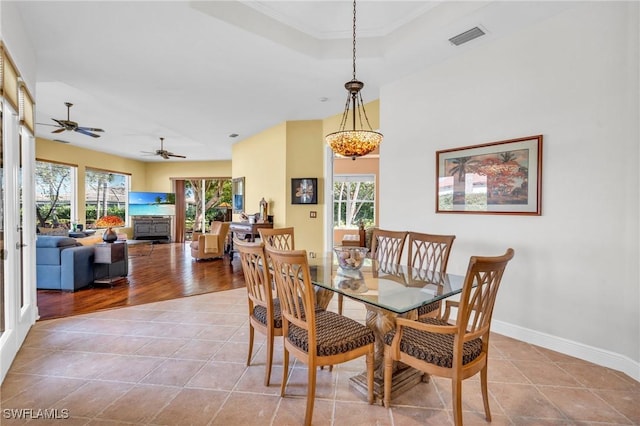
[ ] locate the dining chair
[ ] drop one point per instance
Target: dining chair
(455, 350)
(314, 337)
(429, 252)
(386, 247)
(264, 311)
(278, 238)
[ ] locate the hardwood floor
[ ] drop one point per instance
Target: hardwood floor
(156, 272)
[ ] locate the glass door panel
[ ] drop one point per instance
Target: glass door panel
(3, 248)
(206, 200)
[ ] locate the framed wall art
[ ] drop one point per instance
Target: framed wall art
(237, 192)
(304, 191)
(493, 178)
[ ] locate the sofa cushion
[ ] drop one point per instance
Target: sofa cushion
(48, 248)
(55, 241)
(90, 241)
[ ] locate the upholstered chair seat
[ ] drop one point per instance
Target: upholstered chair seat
(336, 334)
(260, 313)
(434, 348)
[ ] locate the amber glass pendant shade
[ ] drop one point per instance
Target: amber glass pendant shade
(354, 143)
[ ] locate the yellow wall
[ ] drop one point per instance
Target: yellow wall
(159, 175)
(305, 158)
(268, 162)
(85, 158)
(261, 160)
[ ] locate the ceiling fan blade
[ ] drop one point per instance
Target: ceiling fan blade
(85, 132)
(60, 122)
(170, 154)
(91, 129)
(165, 155)
(60, 130)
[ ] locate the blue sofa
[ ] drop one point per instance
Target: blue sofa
(64, 264)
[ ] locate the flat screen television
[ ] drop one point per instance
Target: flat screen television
(152, 204)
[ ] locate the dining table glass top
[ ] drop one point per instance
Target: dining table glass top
(393, 287)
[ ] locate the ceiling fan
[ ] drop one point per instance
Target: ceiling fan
(163, 152)
(64, 125)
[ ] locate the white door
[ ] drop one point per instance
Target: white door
(18, 303)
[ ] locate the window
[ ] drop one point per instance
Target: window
(353, 200)
(55, 195)
(106, 194)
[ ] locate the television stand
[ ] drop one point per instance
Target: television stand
(151, 228)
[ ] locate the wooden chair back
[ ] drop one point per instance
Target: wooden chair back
(478, 297)
(264, 310)
(428, 255)
(387, 246)
(296, 294)
(278, 238)
(429, 251)
(256, 275)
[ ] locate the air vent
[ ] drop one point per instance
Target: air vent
(466, 36)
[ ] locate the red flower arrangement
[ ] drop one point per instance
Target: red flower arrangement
(109, 221)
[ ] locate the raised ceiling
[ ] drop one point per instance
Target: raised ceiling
(197, 72)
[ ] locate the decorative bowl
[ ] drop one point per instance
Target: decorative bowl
(350, 281)
(350, 257)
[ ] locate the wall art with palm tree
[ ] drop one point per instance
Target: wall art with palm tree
(498, 177)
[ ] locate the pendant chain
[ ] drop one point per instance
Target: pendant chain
(354, 39)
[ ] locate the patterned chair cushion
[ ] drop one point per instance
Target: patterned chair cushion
(260, 312)
(432, 347)
(335, 333)
(429, 307)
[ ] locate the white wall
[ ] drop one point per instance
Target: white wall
(18, 43)
(573, 284)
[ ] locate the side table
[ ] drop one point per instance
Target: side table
(105, 255)
(245, 228)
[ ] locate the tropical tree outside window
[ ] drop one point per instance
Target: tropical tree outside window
(106, 194)
(353, 200)
(207, 200)
(55, 194)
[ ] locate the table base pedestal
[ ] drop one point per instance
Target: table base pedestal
(401, 381)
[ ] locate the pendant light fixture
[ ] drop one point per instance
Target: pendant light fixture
(357, 141)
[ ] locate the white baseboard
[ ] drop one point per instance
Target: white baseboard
(568, 347)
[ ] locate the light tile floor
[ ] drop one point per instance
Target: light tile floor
(183, 362)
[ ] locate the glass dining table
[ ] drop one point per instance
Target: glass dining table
(387, 291)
